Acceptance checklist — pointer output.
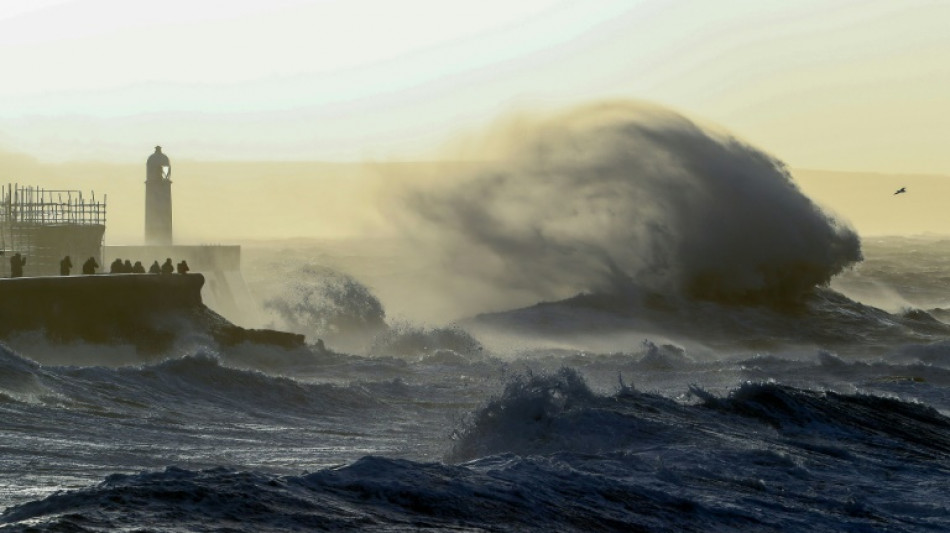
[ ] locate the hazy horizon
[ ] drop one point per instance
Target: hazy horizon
(238, 201)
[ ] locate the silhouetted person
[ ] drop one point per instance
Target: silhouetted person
(155, 269)
(65, 266)
(116, 267)
(127, 267)
(183, 267)
(138, 268)
(90, 266)
(16, 265)
(167, 267)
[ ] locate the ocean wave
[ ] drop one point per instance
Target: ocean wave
(22, 380)
(373, 493)
(935, 353)
(861, 418)
(194, 383)
(539, 414)
(837, 372)
(415, 342)
(682, 489)
(823, 318)
(542, 413)
(320, 302)
(15, 369)
(549, 453)
(664, 356)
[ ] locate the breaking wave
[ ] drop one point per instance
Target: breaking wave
(550, 454)
(619, 194)
(323, 303)
(189, 384)
(406, 340)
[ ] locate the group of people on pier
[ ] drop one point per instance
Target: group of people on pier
(126, 267)
(18, 261)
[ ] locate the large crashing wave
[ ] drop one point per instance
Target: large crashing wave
(624, 193)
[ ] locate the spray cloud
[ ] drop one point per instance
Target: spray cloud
(625, 194)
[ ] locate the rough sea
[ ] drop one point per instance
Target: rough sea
(444, 428)
(625, 322)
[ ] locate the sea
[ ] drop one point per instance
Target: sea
(590, 413)
(607, 319)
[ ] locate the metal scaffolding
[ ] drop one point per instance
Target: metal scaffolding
(45, 225)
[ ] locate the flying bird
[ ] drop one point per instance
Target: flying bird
(902, 189)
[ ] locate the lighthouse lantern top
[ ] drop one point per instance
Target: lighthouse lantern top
(158, 166)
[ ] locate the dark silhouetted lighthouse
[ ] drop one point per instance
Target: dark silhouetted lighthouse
(158, 199)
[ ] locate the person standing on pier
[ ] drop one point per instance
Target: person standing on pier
(16, 265)
(65, 266)
(90, 266)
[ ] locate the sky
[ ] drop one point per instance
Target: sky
(831, 84)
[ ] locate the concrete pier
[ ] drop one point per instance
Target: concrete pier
(224, 291)
(149, 311)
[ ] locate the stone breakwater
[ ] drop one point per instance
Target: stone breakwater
(149, 311)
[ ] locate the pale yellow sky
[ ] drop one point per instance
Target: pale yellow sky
(831, 84)
(867, 200)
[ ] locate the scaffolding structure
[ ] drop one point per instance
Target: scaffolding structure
(45, 225)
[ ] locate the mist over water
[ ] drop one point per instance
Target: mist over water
(623, 194)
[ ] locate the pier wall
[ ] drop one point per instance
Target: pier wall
(149, 311)
(225, 290)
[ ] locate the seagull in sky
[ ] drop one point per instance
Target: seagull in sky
(902, 189)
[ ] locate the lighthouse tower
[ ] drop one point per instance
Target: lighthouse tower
(158, 199)
(224, 289)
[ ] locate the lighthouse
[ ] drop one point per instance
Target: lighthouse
(158, 199)
(224, 290)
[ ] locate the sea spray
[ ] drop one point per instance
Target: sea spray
(323, 303)
(411, 341)
(618, 194)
